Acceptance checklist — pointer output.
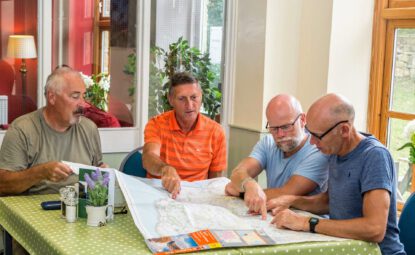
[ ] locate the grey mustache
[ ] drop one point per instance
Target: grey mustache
(80, 110)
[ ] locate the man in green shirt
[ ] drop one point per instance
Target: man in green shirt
(36, 143)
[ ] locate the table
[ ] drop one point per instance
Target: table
(45, 232)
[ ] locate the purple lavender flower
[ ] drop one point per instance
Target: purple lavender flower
(95, 175)
(106, 179)
(89, 181)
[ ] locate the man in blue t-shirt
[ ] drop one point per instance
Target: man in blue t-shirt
(292, 164)
(361, 196)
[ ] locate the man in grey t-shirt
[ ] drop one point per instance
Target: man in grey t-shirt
(35, 143)
(293, 166)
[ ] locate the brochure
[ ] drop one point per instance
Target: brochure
(207, 239)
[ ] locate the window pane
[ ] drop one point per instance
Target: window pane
(105, 51)
(91, 48)
(403, 81)
(395, 140)
(200, 25)
(18, 90)
(106, 4)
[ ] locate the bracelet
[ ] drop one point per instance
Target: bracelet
(244, 181)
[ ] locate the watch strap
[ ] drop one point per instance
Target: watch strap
(313, 221)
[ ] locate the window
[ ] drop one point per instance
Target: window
(392, 95)
(103, 25)
(18, 90)
(94, 37)
(181, 25)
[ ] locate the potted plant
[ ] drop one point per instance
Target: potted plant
(97, 89)
(97, 185)
(179, 57)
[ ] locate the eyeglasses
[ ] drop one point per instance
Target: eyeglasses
(284, 128)
(325, 133)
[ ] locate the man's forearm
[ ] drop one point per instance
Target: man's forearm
(274, 192)
(16, 182)
(358, 228)
(153, 164)
(317, 204)
(215, 174)
(237, 177)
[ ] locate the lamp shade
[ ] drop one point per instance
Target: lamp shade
(21, 46)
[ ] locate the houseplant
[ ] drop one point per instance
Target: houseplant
(409, 133)
(97, 89)
(178, 58)
(97, 185)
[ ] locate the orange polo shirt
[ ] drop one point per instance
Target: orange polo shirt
(194, 154)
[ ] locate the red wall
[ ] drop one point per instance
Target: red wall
(80, 36)
(22, 21)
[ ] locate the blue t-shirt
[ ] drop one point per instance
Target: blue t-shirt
(307, 162)
(369, 166)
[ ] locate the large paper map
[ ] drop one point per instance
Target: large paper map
(201, 205)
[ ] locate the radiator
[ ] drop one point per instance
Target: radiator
(3, 110)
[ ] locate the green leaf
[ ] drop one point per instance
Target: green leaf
(407, 145)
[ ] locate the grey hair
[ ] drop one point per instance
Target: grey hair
(57, 79)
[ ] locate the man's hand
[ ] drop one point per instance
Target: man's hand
(170, 180)
(280, 203)
(290, 220)
(231, 190)
(56, 171)
(104, 165)
(255, 199)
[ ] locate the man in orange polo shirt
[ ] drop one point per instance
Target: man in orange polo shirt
(183, 144)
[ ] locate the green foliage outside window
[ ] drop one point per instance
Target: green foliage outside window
(179, 57)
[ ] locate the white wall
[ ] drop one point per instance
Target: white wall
(314, 50)
(282, 47)
(350, 53)
(249, 64)
(283, 37)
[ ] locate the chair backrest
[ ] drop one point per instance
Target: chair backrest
(407, 225)
(133, 164)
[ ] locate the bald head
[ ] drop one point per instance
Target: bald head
(331, 108)
(283, 105)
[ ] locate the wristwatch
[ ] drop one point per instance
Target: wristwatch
(313, 223)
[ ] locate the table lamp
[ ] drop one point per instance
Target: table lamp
(22, 46)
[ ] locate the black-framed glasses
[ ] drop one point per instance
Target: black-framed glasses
(319, 137)
(284, 128)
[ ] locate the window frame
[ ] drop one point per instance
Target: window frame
(101, 24)
(386, 20)
(388, 16)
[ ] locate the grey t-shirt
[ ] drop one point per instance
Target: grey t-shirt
(30, 142)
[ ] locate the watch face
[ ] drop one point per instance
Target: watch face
(313, 220)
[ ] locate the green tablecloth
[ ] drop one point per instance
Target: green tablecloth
(45, 232)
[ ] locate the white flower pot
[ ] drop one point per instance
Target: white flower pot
(96, 215)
